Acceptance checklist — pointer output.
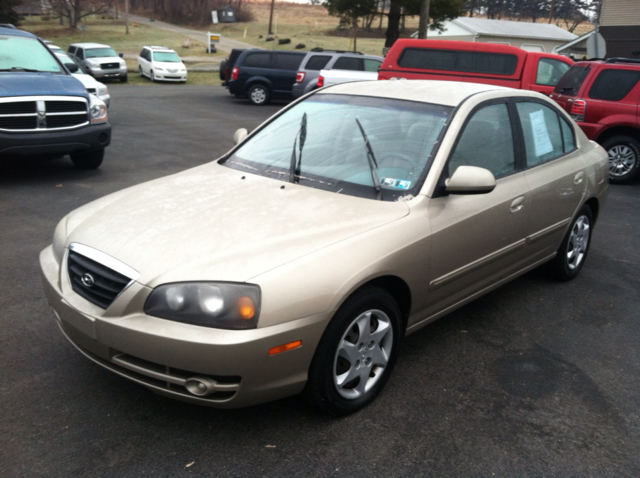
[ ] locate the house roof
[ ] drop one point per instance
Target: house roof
(506, 28)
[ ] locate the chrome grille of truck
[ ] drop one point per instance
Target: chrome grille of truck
(42, 113)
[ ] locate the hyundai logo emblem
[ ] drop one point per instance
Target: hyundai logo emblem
(87, 280)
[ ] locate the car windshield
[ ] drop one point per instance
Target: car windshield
(100, 52)
(358, 145)
(67, 60)
(168, 56)
(26, 54)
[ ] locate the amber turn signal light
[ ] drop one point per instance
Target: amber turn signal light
(285, 347)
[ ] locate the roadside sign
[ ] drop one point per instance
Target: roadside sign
(596, 46)
(212, 39)
(214, 16)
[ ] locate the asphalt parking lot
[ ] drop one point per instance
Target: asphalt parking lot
(537, 379)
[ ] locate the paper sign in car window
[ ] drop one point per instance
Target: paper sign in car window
(395, 183)
(541, 139)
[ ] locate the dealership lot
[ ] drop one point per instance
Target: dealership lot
(535, 379)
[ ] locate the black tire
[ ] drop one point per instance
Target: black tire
(140, 72)
(223, 66)
(152, 77)
(335, 383)
(259, 94)
(124, 78)
(88, 159)
(624, 158)
(573, 251)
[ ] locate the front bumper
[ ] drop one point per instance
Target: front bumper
(163, 355)
(86, 138)
(98, 72)
(167, 76)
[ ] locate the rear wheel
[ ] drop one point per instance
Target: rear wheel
(140, 71)
(259, 95)
(356, 354)
(624, 158)
(575, 246)
(88, 159)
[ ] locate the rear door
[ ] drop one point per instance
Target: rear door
(556, 174)
(285, 68)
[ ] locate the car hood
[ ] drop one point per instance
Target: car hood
(169, 65)
(106, 59)
(39, 84)
(215, 223)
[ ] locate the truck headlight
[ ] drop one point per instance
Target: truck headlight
(223, 305)
(97, 110)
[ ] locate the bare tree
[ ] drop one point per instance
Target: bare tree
(76, 10)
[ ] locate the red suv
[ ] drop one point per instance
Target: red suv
(604, 99)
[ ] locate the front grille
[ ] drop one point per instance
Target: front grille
(109, 66)
(42, 113)
(94, 281)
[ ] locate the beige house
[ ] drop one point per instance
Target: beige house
(620, 27)
(525, 35)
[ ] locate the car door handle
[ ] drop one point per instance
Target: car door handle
(517, 204)
(578, 177)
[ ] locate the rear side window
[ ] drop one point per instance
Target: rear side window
(287, 62)
(349, 63)
(464, 61)
(80, 53)
(258, 60)
(613, 85)
(317, 62)
(371, 65)
(572, 80)
(544, 135)
(550, 71)
(72, 50)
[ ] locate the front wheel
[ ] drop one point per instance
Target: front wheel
(140, 71)
(124, 79)
(152, 77)
(356, 354)
(624, 158)
(88, 159)
(259, 95)
(575, 246)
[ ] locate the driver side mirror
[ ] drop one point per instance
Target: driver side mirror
(72, 67)
(470, 180)
(240, 135)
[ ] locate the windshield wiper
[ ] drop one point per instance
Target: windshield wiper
(19, 68)
(294, 168)
(371, 160)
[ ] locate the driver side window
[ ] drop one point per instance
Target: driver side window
(486, 142)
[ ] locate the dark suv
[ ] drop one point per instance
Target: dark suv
(263, 75)
(604, 99)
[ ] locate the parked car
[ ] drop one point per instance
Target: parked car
(604, 99)
(226, 65)
(92, 85)
(99, 61)
(334, 77)
(161, 63)
(44, 111)
(263, 75)
(315, 61)
(352, 217)
(489, 63)
(54, 48)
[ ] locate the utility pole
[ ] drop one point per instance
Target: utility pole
(126, 14)
(424, 19)
(273, 3)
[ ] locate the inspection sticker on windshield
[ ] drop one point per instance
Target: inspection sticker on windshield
(395, 183)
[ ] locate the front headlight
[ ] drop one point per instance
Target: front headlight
(103, 90)
(92, 63)
(223, 305)
(98, 110)
(157, 68)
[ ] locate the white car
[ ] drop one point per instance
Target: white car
(161, 63)
(92, 85)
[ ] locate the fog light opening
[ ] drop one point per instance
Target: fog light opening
(199, 386)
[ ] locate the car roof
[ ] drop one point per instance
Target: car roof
(90, 45)
(16, 33)
(156, 47)
(448, 93)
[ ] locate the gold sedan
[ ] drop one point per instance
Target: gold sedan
(296, 262)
